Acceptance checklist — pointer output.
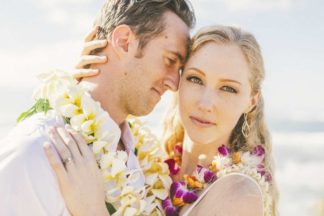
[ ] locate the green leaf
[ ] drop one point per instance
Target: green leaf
(24, 115)
(130, 125)
(66, 120)
(111, 208)
(41, 105)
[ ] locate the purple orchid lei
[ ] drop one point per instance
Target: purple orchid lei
(186, 192)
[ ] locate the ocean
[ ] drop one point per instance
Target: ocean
(298, 150)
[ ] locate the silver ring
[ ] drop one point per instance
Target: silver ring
(67, 161)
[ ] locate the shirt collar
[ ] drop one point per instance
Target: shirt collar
(122, 133)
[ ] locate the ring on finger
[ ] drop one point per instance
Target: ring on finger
(68, 160)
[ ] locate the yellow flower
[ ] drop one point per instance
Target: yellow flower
(193, 182)
(236, 157)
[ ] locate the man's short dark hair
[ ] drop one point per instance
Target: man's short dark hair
(145, 17)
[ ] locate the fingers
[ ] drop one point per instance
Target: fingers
(55, 163)
(61, 148)
(90, 59)
(82, 73)
(82, 144)
(69, 141)
(92, 45)
(91, 35)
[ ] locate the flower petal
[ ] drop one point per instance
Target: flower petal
(258, 151)
(171, 211)
(223, 150)
(173, 166)
(160, 193)
(209, 176)
(190, 197)
(174, 187)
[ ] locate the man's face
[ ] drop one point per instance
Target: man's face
(145, 79)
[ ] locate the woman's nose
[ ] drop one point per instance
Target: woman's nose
(207, 101)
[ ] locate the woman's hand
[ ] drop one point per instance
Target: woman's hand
(87, 59)
(80, 180)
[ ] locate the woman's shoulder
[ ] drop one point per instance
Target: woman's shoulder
(234, 194)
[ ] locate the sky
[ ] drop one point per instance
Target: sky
(40, 35)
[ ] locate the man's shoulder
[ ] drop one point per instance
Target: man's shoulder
(36, 124)
(25, 171)
(24, 144)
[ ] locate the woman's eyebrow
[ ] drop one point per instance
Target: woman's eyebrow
(230, 80)
(198, 70)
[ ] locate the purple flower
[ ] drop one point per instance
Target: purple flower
(168, 207)
(263, 172)
(178, 149)
(179, 191)
(223, 150)
(167, 202)
(175, 186)
(171, 211)
(173, 166)
(199, 168)
(258, 151)
(209, 176)
(189, 197)
(261, 169)
(267, 177)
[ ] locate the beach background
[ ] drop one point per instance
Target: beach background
(39, 35)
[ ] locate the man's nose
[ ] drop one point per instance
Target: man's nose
(171, 80)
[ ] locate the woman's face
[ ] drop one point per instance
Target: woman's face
(214, 92)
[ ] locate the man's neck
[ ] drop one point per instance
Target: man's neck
(108, 101)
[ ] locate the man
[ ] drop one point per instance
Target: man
(145, 56)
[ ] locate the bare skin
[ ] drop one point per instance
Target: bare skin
(77, 193)
(117, 90)
(206, 104)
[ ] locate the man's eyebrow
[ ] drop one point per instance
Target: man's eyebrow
(179, 56)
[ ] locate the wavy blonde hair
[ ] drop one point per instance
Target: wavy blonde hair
(173, 129)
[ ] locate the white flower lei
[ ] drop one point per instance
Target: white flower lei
(75, 105)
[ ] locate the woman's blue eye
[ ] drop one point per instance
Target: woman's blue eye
(195, 79)
(229, 89)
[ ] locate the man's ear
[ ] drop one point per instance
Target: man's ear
(254, 102)
(121, 39)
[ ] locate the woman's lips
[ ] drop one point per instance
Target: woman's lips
(201, 122)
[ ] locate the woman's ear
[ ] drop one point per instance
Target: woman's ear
(121, 38)
(254, 101)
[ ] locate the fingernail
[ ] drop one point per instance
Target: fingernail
(94, 71)
(47, 146)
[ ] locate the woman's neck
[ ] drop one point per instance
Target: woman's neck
(198, 153)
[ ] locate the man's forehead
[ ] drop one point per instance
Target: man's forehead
(180, 47)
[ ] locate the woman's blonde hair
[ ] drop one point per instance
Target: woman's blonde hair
(228, 35)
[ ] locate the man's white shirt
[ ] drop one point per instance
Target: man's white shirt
(28, 185)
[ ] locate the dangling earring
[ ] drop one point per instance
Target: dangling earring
(245, 127)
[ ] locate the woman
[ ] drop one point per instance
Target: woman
(216, 138)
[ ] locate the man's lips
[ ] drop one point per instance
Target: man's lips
(201, 122)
